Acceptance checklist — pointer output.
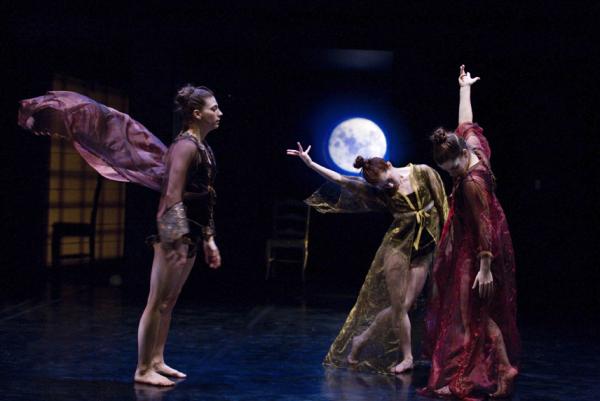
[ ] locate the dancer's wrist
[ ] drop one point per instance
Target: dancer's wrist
(485, 265)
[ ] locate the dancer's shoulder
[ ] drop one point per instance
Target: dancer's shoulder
(425, 169)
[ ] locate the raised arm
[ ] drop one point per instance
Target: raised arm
(465, 115)
(465, 111)
(328, 174)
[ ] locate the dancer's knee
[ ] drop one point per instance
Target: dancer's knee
(407, 305)
(399, 312)
(167, 304)
(162, 305)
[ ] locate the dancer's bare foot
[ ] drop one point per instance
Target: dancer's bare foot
(357, 344)
(404, 366)
(152, 378)
(166, 370)
(506, 381)
(444, 391)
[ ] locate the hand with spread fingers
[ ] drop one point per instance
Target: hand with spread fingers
(301, 153)
(464, 78)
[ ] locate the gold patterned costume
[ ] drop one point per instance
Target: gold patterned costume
(418, 221)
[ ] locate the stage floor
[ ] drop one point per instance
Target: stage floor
(81, 345)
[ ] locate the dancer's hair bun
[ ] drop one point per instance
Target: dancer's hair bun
(439, 136)
(182, 99)
(360, 162)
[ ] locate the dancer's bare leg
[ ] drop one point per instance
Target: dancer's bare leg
(164, 280)
(158, 361)
(396, 277)
(506, 372)
(383, 318)
(417, 276)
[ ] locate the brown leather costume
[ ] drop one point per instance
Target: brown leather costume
(199, 196)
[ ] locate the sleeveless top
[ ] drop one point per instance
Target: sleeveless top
(199, 195)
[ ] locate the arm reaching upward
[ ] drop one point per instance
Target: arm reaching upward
(465, 111)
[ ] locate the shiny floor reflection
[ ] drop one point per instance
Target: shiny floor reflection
(82, 346)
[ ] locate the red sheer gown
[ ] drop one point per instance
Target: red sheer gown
(461, 338)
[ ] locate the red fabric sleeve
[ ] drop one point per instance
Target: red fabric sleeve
(473, 134)
(477, 201)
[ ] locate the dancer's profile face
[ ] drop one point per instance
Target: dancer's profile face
(385, 180)
(210, 115)
(458, 166)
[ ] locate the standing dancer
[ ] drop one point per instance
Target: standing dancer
(378, 325)
(121, 149)
(187, 195)
(471, 319)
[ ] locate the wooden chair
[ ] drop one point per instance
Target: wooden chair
(61, 230)
(291, 222)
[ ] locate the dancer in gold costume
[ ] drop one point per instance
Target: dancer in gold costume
(378, 328)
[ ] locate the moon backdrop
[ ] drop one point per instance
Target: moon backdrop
(354, 137)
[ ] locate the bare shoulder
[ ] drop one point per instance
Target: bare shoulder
(184, 148)
(185, 143)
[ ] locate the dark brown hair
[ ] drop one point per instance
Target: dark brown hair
(371, 168)
(446, 145)
(188, 99)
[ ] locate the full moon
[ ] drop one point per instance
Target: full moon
(354, 137)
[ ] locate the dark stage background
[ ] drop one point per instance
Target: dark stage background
(268, 64)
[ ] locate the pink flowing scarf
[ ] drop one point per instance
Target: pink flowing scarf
(114, 144)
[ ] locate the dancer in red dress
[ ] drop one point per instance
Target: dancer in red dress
(472, 335)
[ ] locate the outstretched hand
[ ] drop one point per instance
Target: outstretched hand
(301, 153)
(464, 78)
(484, 283)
